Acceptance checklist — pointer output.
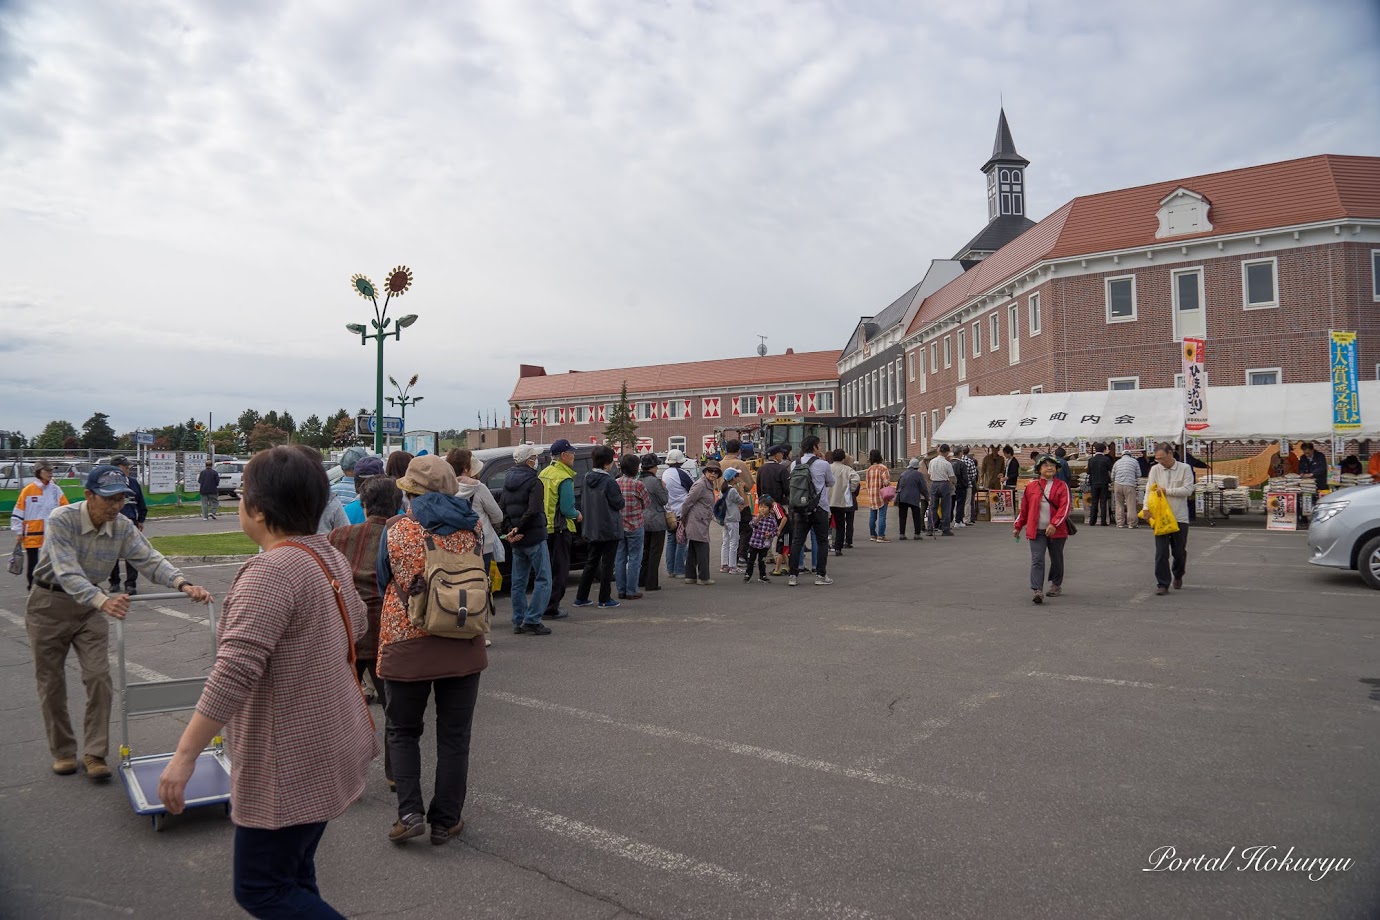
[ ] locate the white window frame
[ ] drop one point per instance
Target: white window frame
(1274, 283)
(948, 410)
(581, 415)
(551, 415)
(924, 440)
(1377, 372)
(750, 408)
(1178, 381)
(1375, 279)
(786, 404)
(994, 332)
(934, 356)
(977, 339)
(1107, 299)
(1013, 321)
(676, 442)
(1278, 372)
(1033, 307)
(638, 407)
(948, 352)
(924, 382)
(912, 428)
(824, 401)
(962, 347)
(1113, 380)
(910, 366)
(934, 420)
(1174, 276)
(1038, 388)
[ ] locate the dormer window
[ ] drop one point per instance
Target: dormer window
(1183, 212)
(991, 194)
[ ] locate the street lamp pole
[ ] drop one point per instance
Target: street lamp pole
(399, 280)
(523, 419)
(402, 399)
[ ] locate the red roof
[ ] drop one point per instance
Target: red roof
(1309, 190)
(694, 375)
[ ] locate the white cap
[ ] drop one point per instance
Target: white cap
(674, 456)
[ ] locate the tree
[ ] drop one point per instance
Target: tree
(265, 436)
(313, 434)
(226, 439)
(54, 435)
(286, 422)
(97, 433)
(72, 442)
(271, 418)
(191, 438)
(247, 420)
(621, 430)
(343, 434)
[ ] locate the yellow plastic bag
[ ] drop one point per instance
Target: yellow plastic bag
(495, 577)
(1160, 515)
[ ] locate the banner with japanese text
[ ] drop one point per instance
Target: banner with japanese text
(1346, 398)
(1195, 385)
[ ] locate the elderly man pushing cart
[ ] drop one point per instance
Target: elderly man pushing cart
(67, 610)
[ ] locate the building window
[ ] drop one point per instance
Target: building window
(900, 382)
(963, 354)
(934, 420)
(1034, 314)
(644, 411)
(924, 444)
(1260, 284)
(748, 405)
(676, 442)
(1013, 325)
(824, 401)
(1123, 383)
(1262, 376)
(1178, 381)
(991, 194)
(1375, 274)
(994, 331)
(1121, 299)
(551, 416)
(1039, 388)
(947, 410)
(788, 403)
(581, 415)
(934, 357)
(948, 352)
(977, 339)
(1189, 315)
(912, 431)
(910, 367)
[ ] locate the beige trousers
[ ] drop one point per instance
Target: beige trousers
(1124, 501)
(56, 623)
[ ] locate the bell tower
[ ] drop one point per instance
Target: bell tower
(1005, 171)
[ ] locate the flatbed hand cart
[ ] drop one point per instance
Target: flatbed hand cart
(210, 782)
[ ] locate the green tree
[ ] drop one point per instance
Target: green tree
(286, 422)
(311, 432)
(266, 436)
(621, 430)
(247, 420)
(54, 435)
(271, 418)
(226, 439)
(97, 433)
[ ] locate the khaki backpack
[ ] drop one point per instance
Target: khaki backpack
(454, 600)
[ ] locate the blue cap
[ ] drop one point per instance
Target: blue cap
(107, 481)
(730, 474)
(560, 446)
(369, 466)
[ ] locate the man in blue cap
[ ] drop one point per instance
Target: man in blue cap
(344, 488)
(67, 611)
(137, 510)
(369, 466)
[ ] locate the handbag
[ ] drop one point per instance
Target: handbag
(17, 558)
(672, 521)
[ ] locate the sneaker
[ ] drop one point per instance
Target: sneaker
(558, 615)
(1053, 591)
(131, 590)
(763, 579)
(607, 604)
(748, 577)
(959, 524)
(1178, 583)
(535, 629)
(691, 581)
(792, 581)
(886, 540)
(1037, 598)
(707, 581)
(441, 835)
(65, 766)
(519, 629)
(901, 537)
(723, 570)
(488, 642)
(824, 580)
(407, 827)
(96, 768)
(580, 603)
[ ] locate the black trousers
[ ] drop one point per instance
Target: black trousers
(840, 518)
(849, 514)
(914, 517)
(1175, 544)
(1100, 505)
(757, 557)
(802, 524)
(961, 504)
(598, 565)
(744, 532)
(455, 699)
(653, 544)
(363, 665)
(275, 872)
(558, 546)
(697, 560)
(131, 576)
(31, 555)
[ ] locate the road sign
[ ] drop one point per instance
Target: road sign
(364, 424)
(144, 438)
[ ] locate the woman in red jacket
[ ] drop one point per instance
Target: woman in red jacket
(1044, 515)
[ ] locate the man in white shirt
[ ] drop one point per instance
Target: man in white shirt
(1174, 480)
(942, 482)
(1125, 475)
(815, 521)
(677, 483)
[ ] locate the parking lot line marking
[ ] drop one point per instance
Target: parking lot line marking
(138, 670)
(1140, 684)
(1220, 543)
(602, 620)
(875, 630)
(745, 750)
(182, 615)
(1142, 596)
(791, 903)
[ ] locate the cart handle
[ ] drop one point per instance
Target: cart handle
(168, 596)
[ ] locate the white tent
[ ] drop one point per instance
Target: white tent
(1262, 413)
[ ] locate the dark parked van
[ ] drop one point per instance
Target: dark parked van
(497, 461)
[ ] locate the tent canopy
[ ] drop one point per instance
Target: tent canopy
(1261, 413)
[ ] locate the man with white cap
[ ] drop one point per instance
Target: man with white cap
(68, 611)
(523, 502)
(678, 483)
(345, 489)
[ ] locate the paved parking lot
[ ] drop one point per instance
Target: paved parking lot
(916, 740)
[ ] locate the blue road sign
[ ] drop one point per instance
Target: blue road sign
(143, 437)
(391, 425)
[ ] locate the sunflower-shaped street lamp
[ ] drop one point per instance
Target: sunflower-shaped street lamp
(398, 282)
(402, 400)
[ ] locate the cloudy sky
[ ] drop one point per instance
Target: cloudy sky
(186, 188)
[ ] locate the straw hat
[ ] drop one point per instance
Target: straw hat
(429, 474)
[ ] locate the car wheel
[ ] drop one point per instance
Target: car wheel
(1368, 561)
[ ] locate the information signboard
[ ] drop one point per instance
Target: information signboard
(162, 471)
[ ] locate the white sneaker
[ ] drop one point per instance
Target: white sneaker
(791, 581)
(959, 524)
(824, 580)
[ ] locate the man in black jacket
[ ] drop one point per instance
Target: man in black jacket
(1100, 482)
(602, 527)
(137, 510)
(774, 479)
(524, 513)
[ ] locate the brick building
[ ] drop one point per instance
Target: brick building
(687, 406)
(1262, 261)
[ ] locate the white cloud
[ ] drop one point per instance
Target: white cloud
(186, 188)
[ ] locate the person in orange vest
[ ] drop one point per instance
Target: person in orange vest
(36, 501)
(1374, 468)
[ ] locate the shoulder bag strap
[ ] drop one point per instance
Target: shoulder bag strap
(344, 619)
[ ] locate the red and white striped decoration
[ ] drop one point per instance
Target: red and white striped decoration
(603, 413)
(771, 405)
(737, 405)
(799, 402)
(811, 403)
(711, 407)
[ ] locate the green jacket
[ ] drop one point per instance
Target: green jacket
(559, 482)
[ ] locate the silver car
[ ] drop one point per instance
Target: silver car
(1344, 532)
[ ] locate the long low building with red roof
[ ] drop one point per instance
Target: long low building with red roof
(1262, 262)
(690, 406)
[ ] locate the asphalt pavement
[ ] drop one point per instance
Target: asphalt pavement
(916, 740)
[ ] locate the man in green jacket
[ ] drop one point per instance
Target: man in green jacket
(558, 481)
